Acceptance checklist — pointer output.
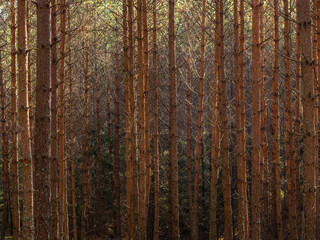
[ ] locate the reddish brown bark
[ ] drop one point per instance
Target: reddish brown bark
(42, 123)
(309, 183)
(289, 131)
(54, 160)
(242, 110)
(14, 151)
(275, 128)
(5, 153)
(256, 186)
(173, 162)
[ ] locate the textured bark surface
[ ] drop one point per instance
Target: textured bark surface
(309, 182)
(275, 129)
(54, 144)
(5, 153)
(256, 184)
(42, 124)
(23, 111)
(173, 158)
(14, 149)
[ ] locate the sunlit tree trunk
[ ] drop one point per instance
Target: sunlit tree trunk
(23, 108)
(14, 149)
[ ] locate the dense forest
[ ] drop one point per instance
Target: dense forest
(159, 119)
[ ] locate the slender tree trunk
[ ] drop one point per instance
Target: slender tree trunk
(242, 113)
(173, 162)
(194, 222)
(215, 134)
(142, 145)
(155, 124)
(14, 150)
(189, 115)
(263, 131)
(256, 186)
(275, 126)
(61, 122)
(54, 158)
(222, 109)
(85, 184)
(117, 142)
(42, 122)
(5, 153)
(316, 102)
(289, 134)
(297, 127)
(240, 182)
(28, 217)
(146, 104)
(73, 192)
(309, 183)
(131, 166)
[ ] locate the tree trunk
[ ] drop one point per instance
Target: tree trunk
(5, 153)
(256, 186)
(189, 152)
(155, 124)
(54, 158)
(14, 153)
(215, 134)
(297, 127)
(222, 108)
(42, 123)
(173, 158)
(117, 142)
(73, 191)
(289, 134)
(28, 217)
(275, 127)
(85, 184)
(242, 127)
(309, 183)
(194, 222)
(61, 126)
